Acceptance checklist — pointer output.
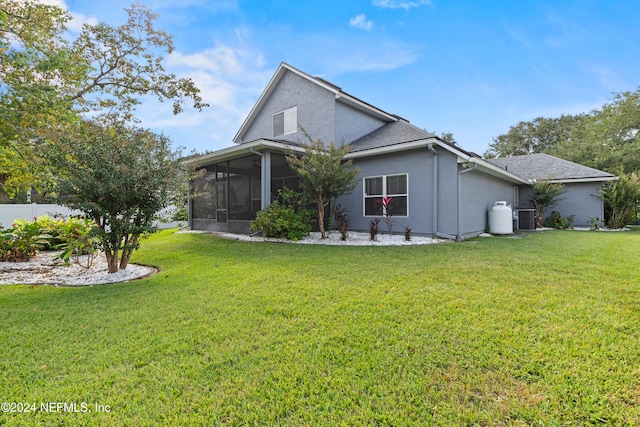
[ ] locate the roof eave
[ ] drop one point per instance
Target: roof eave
(241, 150)
(494, 170)
(424, 143)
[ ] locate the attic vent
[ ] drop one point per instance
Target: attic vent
(285, 122)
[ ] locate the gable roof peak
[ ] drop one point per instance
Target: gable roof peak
(339, 94)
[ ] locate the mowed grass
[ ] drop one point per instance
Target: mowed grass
(543, 330)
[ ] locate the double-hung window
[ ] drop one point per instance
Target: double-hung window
(285, 122)
(377, 188)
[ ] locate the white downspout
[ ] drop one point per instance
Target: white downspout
(459, 237)
(434, 226)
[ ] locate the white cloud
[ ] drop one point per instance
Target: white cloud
(78, 20)
(360, 21)
(230, 79)
(400, 4)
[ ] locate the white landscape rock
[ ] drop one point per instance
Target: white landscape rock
(42, 270)
(353, 239)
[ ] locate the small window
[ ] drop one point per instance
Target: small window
(378, 187)
(285, 122)
(516, 196)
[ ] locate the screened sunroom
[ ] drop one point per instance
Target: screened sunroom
(228, 193)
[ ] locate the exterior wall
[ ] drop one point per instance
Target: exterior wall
(352, 124)
(579, 199)
(315, 110)
(447, 192)
(479, 192)
(418, 164)
(583, 201)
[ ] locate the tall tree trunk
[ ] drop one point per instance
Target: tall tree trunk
(112, 260)
(127, 251)
(321, 217)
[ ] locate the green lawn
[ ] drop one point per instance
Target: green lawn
(543, 330)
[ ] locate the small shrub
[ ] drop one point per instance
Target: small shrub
(51, 226)
(282, 222)
(555, 220)
(407, 233)
(81, 242)
(22, 242)
(594, 223)
(374, 228)
(343, 221)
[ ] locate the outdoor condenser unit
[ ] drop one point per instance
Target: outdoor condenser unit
(526, 219)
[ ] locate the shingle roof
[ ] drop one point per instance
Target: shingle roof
(544, 166)
(390, 134)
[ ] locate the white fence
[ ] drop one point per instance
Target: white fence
(9, 213)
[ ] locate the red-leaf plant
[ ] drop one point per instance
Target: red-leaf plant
(386, 211)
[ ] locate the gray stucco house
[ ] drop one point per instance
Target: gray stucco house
(438, 188)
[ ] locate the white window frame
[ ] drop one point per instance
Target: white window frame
(384, 193)
(290, 117)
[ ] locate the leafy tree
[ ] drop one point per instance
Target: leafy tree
(324, 174)
(537, 136)
(447, 137)
(124, 64)
(35, 59)
(119, 176)
(621, 198)
(608, 138)
(47, 80)
(545, 195)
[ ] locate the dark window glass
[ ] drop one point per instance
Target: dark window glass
(397, 184)
(278, 124)
(373, 186)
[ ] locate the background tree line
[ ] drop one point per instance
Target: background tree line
(605, 138)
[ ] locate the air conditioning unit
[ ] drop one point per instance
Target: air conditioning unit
(526, 219)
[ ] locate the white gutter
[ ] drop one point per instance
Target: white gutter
(579, 180)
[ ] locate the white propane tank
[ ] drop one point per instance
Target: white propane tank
(500, 218)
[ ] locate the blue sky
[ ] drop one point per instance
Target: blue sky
(468, 67)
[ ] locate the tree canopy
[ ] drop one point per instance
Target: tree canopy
(537, 136)
(118, 175)
(48, 80)
(605, 138)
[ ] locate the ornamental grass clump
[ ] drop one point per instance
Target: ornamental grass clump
(342, 221)
(374, 228)
(407, 233)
